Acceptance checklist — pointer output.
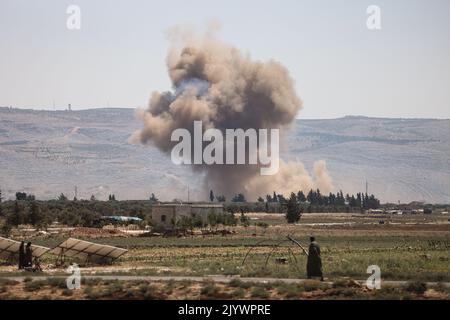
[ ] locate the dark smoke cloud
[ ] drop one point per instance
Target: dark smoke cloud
(217, 84)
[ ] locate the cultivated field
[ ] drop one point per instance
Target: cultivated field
(412, 248)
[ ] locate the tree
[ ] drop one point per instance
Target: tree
(197, 222)
(239, 198)
(221, 198)
(21, 196)
(353, 202)
(15, 218)
(211, 195)
(212, 220)
(311, 197)
(282, 199)
(229, 219)
(34, 216)
(153, 198)
(93, 198)
(245, 221)
(24, 196)
(301, 196)
(293, 213)
(62, 197)
(260, 199)
(185, 223)
(5, 230)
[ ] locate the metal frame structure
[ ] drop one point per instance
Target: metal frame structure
(9, 249)
(276, 247)
(89, 251)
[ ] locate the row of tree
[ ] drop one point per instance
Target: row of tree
(212, 221)
(83, 213)
(313, 197)
(316, 198)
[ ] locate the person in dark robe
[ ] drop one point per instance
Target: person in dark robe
(314, 264)
(28, 256)
(22, 255)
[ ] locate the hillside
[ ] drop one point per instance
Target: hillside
(49, 152)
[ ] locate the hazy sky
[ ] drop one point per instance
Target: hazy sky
(340, 67)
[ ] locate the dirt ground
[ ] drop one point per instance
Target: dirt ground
(192, 290)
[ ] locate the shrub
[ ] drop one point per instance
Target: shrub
(67, 292)
(235, 283)
(88, 290)
(260, 292)
(129, 294)
(209, 290)
(313, 285)
(32, 286)
(288, 290)
(7, 282)
(116, 287)
(347, 292)
(442, 287)
(416, 287)
(57, 283)
(239, 293)
(90, 282)
(148, 292)
(340, 284)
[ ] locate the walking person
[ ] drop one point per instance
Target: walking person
(22, 255)
(28, 256)
(314, 264)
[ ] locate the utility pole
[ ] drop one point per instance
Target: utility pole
(367, 187)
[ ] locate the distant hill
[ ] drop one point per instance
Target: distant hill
(49, 152)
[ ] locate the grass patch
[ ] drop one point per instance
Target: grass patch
(32, 286)
(57, 283)
(209, 290)
(238, 293)
(260, 293)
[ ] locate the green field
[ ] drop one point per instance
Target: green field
(405, 248)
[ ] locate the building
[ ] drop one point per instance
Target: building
(168, 213)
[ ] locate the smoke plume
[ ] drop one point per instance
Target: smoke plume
(219, 85)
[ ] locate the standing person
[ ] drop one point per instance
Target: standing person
(314, 264)
(22, 255)
(29, 256)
